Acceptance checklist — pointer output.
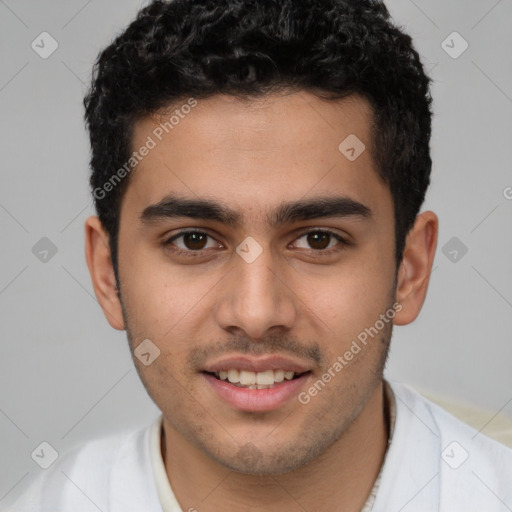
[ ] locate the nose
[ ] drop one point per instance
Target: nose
(256, 299)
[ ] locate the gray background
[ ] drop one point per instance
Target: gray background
(66, 376)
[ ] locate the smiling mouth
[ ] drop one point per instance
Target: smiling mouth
(255, 380)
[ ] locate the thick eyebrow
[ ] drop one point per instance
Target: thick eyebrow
(207, 209)
(317, 208)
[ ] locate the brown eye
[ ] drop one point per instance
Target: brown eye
(319, 240)
(191, 242)
(195, 241)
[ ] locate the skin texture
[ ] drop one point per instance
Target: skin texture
(293, 300)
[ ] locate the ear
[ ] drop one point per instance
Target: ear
(97, 252)
(416, 267)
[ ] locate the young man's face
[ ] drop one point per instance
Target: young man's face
(261, 289)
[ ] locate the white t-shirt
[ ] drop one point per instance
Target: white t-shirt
(434, 463)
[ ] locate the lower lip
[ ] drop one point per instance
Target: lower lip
(256, 400)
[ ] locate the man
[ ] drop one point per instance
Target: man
(258, 170)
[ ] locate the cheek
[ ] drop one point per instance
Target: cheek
(350, 298)
(164, 301)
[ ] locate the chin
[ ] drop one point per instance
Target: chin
(251, 460)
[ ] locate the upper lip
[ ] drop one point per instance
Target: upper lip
(253, 364)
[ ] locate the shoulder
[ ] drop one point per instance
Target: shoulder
(444, 424)
(100, 474)
(456, 463)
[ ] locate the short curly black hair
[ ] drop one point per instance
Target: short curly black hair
(248, 48)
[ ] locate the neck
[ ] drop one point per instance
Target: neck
(340, 479)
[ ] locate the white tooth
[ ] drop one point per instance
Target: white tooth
(278, 375)
(247, 378)
(223, 375)
(263, 386)
(252, 386)
(233, 376)
(266, 377)
(288, 375)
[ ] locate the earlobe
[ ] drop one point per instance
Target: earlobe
(416, 267)
(99, 261)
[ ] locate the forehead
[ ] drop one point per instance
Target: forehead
(257, 154)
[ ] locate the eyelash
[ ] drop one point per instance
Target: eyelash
(200, 252)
